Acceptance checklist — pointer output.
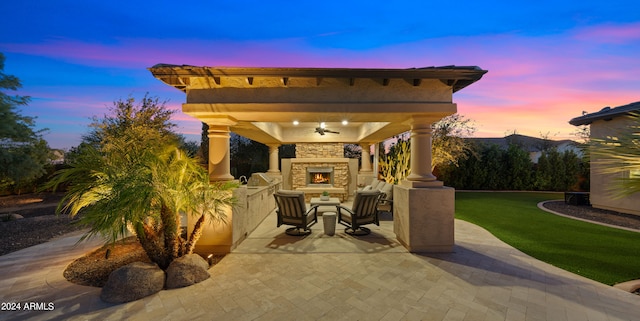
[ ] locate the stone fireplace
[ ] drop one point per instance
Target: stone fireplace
(320, 167)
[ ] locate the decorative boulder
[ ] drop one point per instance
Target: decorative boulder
(10, 217)
(187, 270)
(132, 282)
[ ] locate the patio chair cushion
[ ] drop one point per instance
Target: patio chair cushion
(363, 211)
(290, 192)
(300, 195)
(375, 183)
(290, 220)
(345, 216)
(387, 189)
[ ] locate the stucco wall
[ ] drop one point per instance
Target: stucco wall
(601, 196)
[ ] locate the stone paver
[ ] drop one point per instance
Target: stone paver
(273, 276)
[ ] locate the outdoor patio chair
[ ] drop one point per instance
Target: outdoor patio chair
(292, 210)
(364, 211)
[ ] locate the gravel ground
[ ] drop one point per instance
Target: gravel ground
(594, 214)
(40, 223)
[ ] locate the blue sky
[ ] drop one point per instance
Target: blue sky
(547, 61)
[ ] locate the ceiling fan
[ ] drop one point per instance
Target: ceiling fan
(322, 130)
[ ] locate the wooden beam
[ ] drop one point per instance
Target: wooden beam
(449, 82)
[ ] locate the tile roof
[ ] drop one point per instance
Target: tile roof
(606, 113)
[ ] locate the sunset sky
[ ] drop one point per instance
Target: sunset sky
(547, 61)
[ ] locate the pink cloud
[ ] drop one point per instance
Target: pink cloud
(534, 84)
(610, 33)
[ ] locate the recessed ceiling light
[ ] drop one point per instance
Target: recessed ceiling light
(344, 122)
(296, 123)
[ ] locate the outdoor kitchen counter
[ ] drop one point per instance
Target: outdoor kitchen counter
(253, 190)
(254, 205)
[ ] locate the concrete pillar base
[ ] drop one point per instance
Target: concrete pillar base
(423, 218)
(421, 184)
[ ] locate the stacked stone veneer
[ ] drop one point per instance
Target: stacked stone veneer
(320, 150)
(321, 155)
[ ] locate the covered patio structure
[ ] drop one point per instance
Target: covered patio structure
(315, 107)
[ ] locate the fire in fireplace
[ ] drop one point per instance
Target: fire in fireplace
(320, 176)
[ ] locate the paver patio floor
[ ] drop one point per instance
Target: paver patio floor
(273, 276)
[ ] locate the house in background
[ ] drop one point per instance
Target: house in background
(607, 122)
(533, 145)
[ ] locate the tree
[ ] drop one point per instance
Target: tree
(247, 156)
(583, 134)
(448, 147)
(192, 148)
(558, 171)
(469, 173)
(573, 171)
(287, 151)
(353, 151)
(517, 168)
(543, 173)
(137, 177)
(492, 158)
(148, 118)
(619, 154)
(448, 140)
(204, 144)
(23, 152)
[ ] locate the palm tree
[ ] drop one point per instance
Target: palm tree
(130, 174)
(143, 189)
(620, 154)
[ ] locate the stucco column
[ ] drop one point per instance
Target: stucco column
(421, 175)
(423, 218)
(365, 165)
(219, 158)
(376, 160)
(273, 158)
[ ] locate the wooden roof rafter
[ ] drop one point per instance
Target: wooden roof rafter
(456, 77)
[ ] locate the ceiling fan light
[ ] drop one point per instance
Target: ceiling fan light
(296, 123)
(345, 122)
(323, 125)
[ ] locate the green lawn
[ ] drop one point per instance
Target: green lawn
(604, 254)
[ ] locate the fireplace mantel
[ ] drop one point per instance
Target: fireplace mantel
(319, 160)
